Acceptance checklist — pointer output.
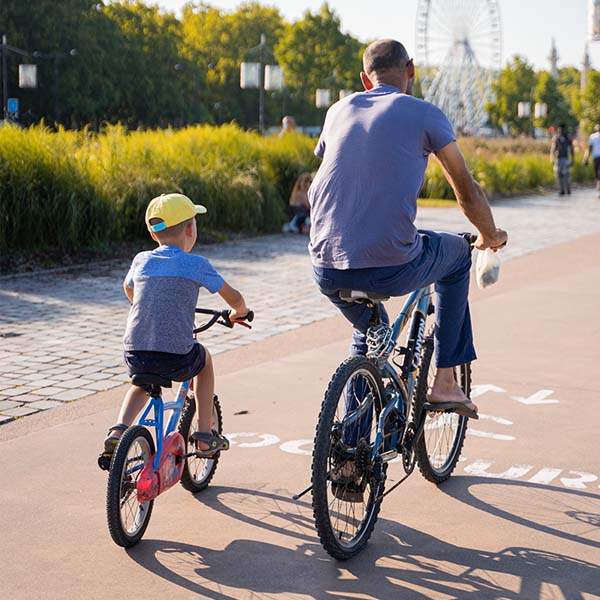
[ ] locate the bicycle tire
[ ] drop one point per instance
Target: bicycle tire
(321, 463)
(198, 472)
(118, 481)
(429, 464)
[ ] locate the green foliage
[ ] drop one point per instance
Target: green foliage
(503, 167)
(547, 91)
(591, 101)
(68, 190)
(316, 54)
(515, 84)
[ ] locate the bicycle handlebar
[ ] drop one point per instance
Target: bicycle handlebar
(221, 317)
(470, 237)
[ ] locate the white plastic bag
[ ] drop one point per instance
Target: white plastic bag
(487, 269)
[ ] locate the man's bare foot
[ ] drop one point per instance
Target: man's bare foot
(445, 389)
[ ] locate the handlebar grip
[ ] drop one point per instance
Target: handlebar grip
(250, 316)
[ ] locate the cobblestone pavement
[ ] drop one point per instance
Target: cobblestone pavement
(60, 332)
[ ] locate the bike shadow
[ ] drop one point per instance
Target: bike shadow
(399, 561)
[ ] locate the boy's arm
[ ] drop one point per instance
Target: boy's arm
(128, 291)
(235, 300)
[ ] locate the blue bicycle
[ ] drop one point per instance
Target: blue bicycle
(374, 411)
(138, 473)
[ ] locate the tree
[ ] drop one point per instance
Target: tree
(316, 54)
(591, 101)
(516, 84)
(558, 111)
(223, 40)
(569, 84)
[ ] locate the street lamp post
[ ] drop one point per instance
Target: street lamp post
(55, 58)
(5, 48)
(252, 75)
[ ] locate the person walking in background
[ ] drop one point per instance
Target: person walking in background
(299, 206)
(562, 155)
(593, 150)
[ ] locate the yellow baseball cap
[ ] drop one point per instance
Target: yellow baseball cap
(172, 209)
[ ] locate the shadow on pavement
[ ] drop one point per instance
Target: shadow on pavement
(571, 514)
(398, 562)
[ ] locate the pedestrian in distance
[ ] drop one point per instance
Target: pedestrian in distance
(299, 206)
(593, 150)
(288, 125)
(375, 146)
(162, 286)
(562, 156)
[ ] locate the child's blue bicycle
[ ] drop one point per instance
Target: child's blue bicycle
(375, 410)
(138, 473)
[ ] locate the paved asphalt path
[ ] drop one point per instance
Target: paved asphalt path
(519, 519)
(61, 331)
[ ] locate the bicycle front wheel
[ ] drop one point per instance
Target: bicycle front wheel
(347, 485)
(197, 472)
(128, 518)
(438, 449)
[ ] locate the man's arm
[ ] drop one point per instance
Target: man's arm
(128, 291)
(586, 156)
(471, 198)
(553, 150)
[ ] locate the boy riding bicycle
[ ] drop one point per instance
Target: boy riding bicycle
(162, 286)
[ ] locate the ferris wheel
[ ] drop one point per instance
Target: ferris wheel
(459, 51)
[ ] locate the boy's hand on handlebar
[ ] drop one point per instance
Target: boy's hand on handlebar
(494, 243)
(235, 315)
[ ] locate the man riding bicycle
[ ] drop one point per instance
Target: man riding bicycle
(375, 146)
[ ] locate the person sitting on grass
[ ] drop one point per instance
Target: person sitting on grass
(162, 286)
(300, 206)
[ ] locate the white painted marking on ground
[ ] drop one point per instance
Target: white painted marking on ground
(545, 476)
(484, 388)
(480, 469)
(499, 420)
(267, 439)
(578, 482)
(295, 447)
(491, 436)
(537, 398)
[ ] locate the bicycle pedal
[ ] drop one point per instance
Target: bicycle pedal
(104, 461)
(389, 455)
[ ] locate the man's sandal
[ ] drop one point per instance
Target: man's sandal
(215, 442)
(460, 408)
(345, 483)
(110, 443)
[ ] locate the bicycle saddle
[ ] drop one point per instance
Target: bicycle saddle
(360, 296)
(146, 379)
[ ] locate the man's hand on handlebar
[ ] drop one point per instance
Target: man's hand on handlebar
(494, 242)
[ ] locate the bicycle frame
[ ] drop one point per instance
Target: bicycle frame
(158, 407)
(417, 305)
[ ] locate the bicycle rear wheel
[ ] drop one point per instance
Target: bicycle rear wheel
(346, 483)
(438, 449)
(128, 518)
(198, 472)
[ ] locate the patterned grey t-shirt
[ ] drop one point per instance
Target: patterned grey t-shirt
(166, 283)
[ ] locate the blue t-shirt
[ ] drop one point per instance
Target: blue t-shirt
(166, 283)
(375, 146)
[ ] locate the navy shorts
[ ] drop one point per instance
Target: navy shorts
(176, 367)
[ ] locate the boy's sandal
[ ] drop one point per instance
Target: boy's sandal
(110, 443)
(215, 442)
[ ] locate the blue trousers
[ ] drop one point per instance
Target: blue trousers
(444, 261)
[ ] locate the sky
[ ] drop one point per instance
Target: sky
(528, 25)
